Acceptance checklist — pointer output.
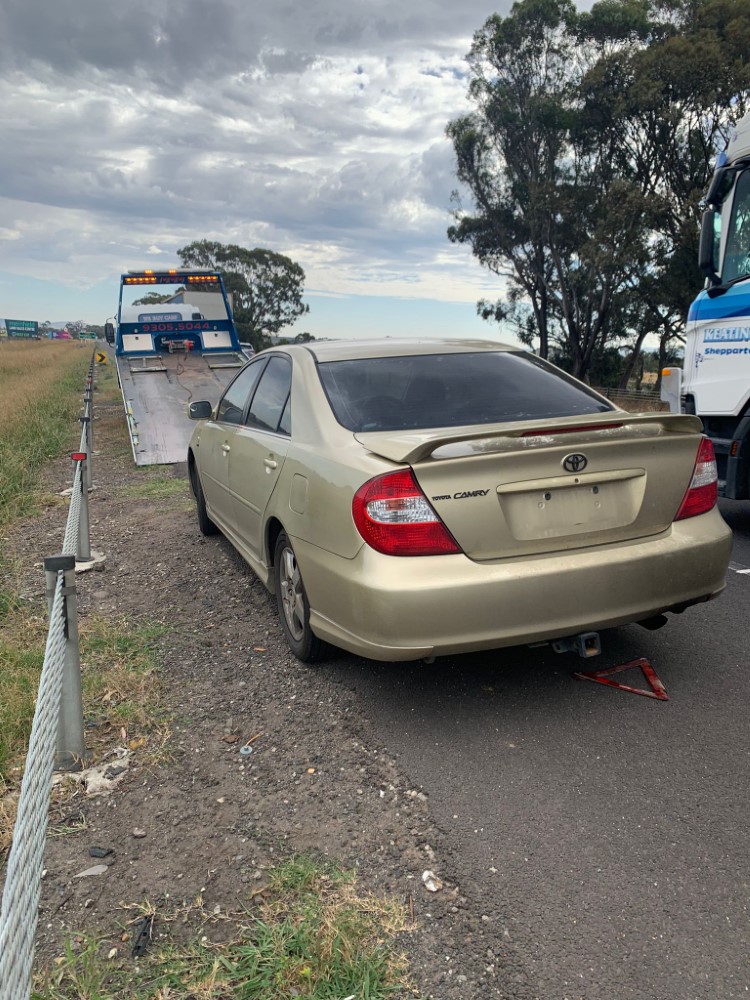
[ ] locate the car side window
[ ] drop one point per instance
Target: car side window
(235, 399)
(271, 396)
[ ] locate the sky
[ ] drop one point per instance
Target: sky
(315, 129)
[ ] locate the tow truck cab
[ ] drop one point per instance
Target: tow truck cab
(714, 383)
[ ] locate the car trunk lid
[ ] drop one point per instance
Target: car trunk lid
(526, 488)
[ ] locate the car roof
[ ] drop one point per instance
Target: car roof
(387, 347)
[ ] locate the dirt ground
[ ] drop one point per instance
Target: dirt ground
(213, 819)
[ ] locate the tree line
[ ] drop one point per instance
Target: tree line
(587, 152)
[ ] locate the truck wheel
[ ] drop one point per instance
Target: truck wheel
(291, 600)
(205, 523)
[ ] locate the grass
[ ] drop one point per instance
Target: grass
(120, 675)
(41, 394)
(110, 431)
(20, 667)
(315, 933)
(158, 485)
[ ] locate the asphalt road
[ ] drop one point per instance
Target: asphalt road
(604, 835)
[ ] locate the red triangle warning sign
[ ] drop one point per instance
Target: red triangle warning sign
(657, 691)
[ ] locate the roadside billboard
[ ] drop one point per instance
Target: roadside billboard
(22, 327)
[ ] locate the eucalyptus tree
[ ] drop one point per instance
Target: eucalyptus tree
(586, 155)
(669, 99)
(267, 287)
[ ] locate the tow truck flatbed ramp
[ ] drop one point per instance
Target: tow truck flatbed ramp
(157, 390)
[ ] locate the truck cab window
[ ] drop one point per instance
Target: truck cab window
(737, 252)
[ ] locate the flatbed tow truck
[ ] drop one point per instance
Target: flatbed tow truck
(168, 354)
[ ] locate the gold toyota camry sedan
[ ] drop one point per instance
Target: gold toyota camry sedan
(405, 499)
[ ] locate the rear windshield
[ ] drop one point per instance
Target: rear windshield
(451, 390)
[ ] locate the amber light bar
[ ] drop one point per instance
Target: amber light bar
(169, 278)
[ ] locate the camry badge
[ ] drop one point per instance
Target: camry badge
(575, 463)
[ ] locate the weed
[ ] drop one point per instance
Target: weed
(316, 935)
(158, 487)
(20, 667)
(72, 825)
(81, 974)
(120, 680)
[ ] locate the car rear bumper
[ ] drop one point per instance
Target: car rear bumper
(390, 608)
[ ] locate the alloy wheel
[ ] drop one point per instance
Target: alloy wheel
(292, 595)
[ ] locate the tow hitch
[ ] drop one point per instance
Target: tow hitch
(586, 644)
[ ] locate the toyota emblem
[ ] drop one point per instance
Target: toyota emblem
(575, 463)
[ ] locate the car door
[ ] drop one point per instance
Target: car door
(259, 449)
(216, 440)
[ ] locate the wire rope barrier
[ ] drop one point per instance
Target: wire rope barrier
(56, 732)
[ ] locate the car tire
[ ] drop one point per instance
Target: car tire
(205, 523)
(292, 603)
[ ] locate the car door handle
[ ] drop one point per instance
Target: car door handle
(270, 463)
(226, 448)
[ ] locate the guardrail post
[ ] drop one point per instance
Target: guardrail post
(70, 748)
(88, 432)
(83, 542)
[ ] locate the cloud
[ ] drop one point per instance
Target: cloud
(190, 39)
(316, 129)
(156, 39)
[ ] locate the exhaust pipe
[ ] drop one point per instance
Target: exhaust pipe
(652, 624)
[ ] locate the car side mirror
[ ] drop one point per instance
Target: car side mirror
(200, 410)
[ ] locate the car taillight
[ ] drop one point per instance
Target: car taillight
(702, 493)
(394, 516)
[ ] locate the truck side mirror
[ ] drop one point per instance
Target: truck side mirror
(707, 247)
(109, 333)
(671, 388)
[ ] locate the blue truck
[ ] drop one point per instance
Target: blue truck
(169, 353)
(714, 383)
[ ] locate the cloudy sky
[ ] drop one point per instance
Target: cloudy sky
(314, 128)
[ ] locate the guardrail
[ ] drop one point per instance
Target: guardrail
(56, 733)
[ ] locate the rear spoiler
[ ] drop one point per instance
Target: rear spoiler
(410, 448)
